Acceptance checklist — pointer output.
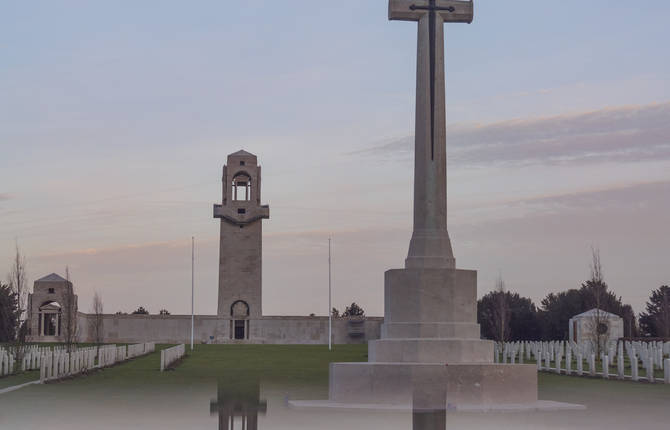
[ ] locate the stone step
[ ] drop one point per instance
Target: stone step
(426, 350)
(440, 330)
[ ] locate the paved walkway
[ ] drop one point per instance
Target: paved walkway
(16, 387)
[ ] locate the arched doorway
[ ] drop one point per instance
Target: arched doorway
(239, 322)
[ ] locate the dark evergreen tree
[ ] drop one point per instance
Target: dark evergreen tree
(630, 328)
(556, 311)
(353, 310)
(141, 311)
(655, 321)
(521, 320)
(8, 313)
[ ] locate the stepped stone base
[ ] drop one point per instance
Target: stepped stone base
(460, 384)
(430, 355)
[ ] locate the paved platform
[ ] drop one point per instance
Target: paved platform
(538, 406)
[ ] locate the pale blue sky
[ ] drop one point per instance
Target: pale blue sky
(115, 120)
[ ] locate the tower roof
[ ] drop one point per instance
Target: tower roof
(52, 278)
(241, 153)
(594, 312)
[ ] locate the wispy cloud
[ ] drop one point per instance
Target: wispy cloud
(629, 198)
(122, 249)
(5, 196)
(625, 134)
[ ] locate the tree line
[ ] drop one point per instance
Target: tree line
(507, 316)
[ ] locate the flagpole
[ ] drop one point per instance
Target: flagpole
(192, 284)
(330, 307)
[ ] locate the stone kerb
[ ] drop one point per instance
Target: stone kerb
(171, 355)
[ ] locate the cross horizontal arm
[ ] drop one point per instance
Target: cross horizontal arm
(449, 10)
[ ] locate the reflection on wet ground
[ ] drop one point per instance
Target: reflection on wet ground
(238, 402)
(247, 401)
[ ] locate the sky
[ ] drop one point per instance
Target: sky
(116, 119)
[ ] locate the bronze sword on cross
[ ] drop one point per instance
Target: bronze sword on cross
(431, 8)
(445, 11)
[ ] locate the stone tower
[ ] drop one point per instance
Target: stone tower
(240, 249)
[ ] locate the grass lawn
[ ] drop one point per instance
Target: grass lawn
(281, 364)
(21, 378)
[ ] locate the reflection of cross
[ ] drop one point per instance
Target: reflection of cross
(430, 246)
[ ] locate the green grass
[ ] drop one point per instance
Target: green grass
(301, 369)
(20, 378)
(286, 365)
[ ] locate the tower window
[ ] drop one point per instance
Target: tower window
(241, 187)
(51, 291)
(241, 211)
(242, 163)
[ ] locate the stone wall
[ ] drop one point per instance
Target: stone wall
(213, 329)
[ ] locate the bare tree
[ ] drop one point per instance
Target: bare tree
(597, 327)
(97, 327)
(69, 314)
(501, 311)
(17, 281)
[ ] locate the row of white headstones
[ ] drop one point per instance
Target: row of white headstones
(28, 352)
(651, 355)
(56, 362)
(61, 364)
(170, 355)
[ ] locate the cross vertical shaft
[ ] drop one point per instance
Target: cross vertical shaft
(430, 246)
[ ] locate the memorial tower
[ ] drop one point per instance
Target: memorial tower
(240, 248)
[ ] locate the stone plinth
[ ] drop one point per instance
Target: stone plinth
(430, 317)
(432, 296)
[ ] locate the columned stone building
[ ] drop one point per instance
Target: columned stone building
(595, 324)
(51, 299)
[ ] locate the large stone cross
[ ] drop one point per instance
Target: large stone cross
(430, 246)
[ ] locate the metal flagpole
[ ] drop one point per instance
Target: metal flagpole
(330, 307)
(192, 284)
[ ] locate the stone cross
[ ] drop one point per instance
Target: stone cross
(430, 246)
